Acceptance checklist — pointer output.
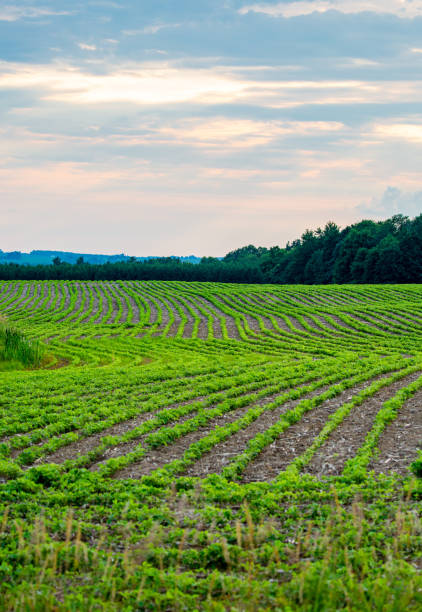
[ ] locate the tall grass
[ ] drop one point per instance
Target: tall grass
(15, 347)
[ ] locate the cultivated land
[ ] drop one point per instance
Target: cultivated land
(214, 447)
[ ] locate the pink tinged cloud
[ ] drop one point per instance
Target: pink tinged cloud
(401, 8)
(161, 83)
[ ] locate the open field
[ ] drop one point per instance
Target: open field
(212, 446)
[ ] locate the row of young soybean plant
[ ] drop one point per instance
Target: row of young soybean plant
(326, 387)
(281, 323)
(70, 317)
(246, 402)
(276, 321)
(161, 413)
(233, 553)
(57, 409)
(132, 303)
(242, 315)
(198, 543)
(166, 411)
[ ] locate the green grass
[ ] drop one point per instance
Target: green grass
(16, 350)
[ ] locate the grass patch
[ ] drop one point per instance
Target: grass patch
(16, 350)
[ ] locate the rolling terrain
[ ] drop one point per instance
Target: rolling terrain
(208, 446)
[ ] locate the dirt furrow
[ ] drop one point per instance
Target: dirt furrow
(95, 304)
(355, 316)
(42, 303)
(317, 330)
(159, 457)
(64, 289)
(276, 454)
(31, 296)
(251, 304)
(84, 445)
(297, 438)
(188, 328)
(346, 440)
(278, 301)
(51, 299)
(342, 323)
(100, 315)
(400, 441)
(165, 316)
(203, 322)
(231, 326)
(216, 325)
(326, 323)
(237, 308)
(19, 299)
(228, 417)
(114, 304)
(135, 308)
(9, 294)
(6, 290)
(301, 300)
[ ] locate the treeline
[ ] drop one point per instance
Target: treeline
(366, 252)
(164, 268)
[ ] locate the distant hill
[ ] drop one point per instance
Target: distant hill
(35, 258)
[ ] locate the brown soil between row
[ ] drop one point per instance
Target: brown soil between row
(345, 441)
(267, 465)
(399, 443)
(219, 421)
(156, 458)
(84, 445)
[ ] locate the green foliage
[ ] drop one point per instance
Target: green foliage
(416, 466)
(15, 347)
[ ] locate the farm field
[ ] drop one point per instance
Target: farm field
(205, 446)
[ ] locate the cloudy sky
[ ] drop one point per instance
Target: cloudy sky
(198, 126)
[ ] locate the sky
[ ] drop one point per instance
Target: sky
(177, 127)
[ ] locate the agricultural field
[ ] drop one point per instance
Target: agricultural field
(205, 446)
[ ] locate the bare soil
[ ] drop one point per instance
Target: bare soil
(346, 440)
(297, 438)
(134, 306)
(231, 326)
(400, 441)
(17, 300)
(156, 458)
(84, 445)
(101, 315)
(95, 305)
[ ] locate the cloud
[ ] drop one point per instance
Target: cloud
(410, 132)
(155, 52)
(358, 62)
(151, 29)
(400, 8)
(86, 47)
(106, 4)
(224, 111)
(161, 82)
(14, 13)
(393, 202)
(223, 133)
(152, 83)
